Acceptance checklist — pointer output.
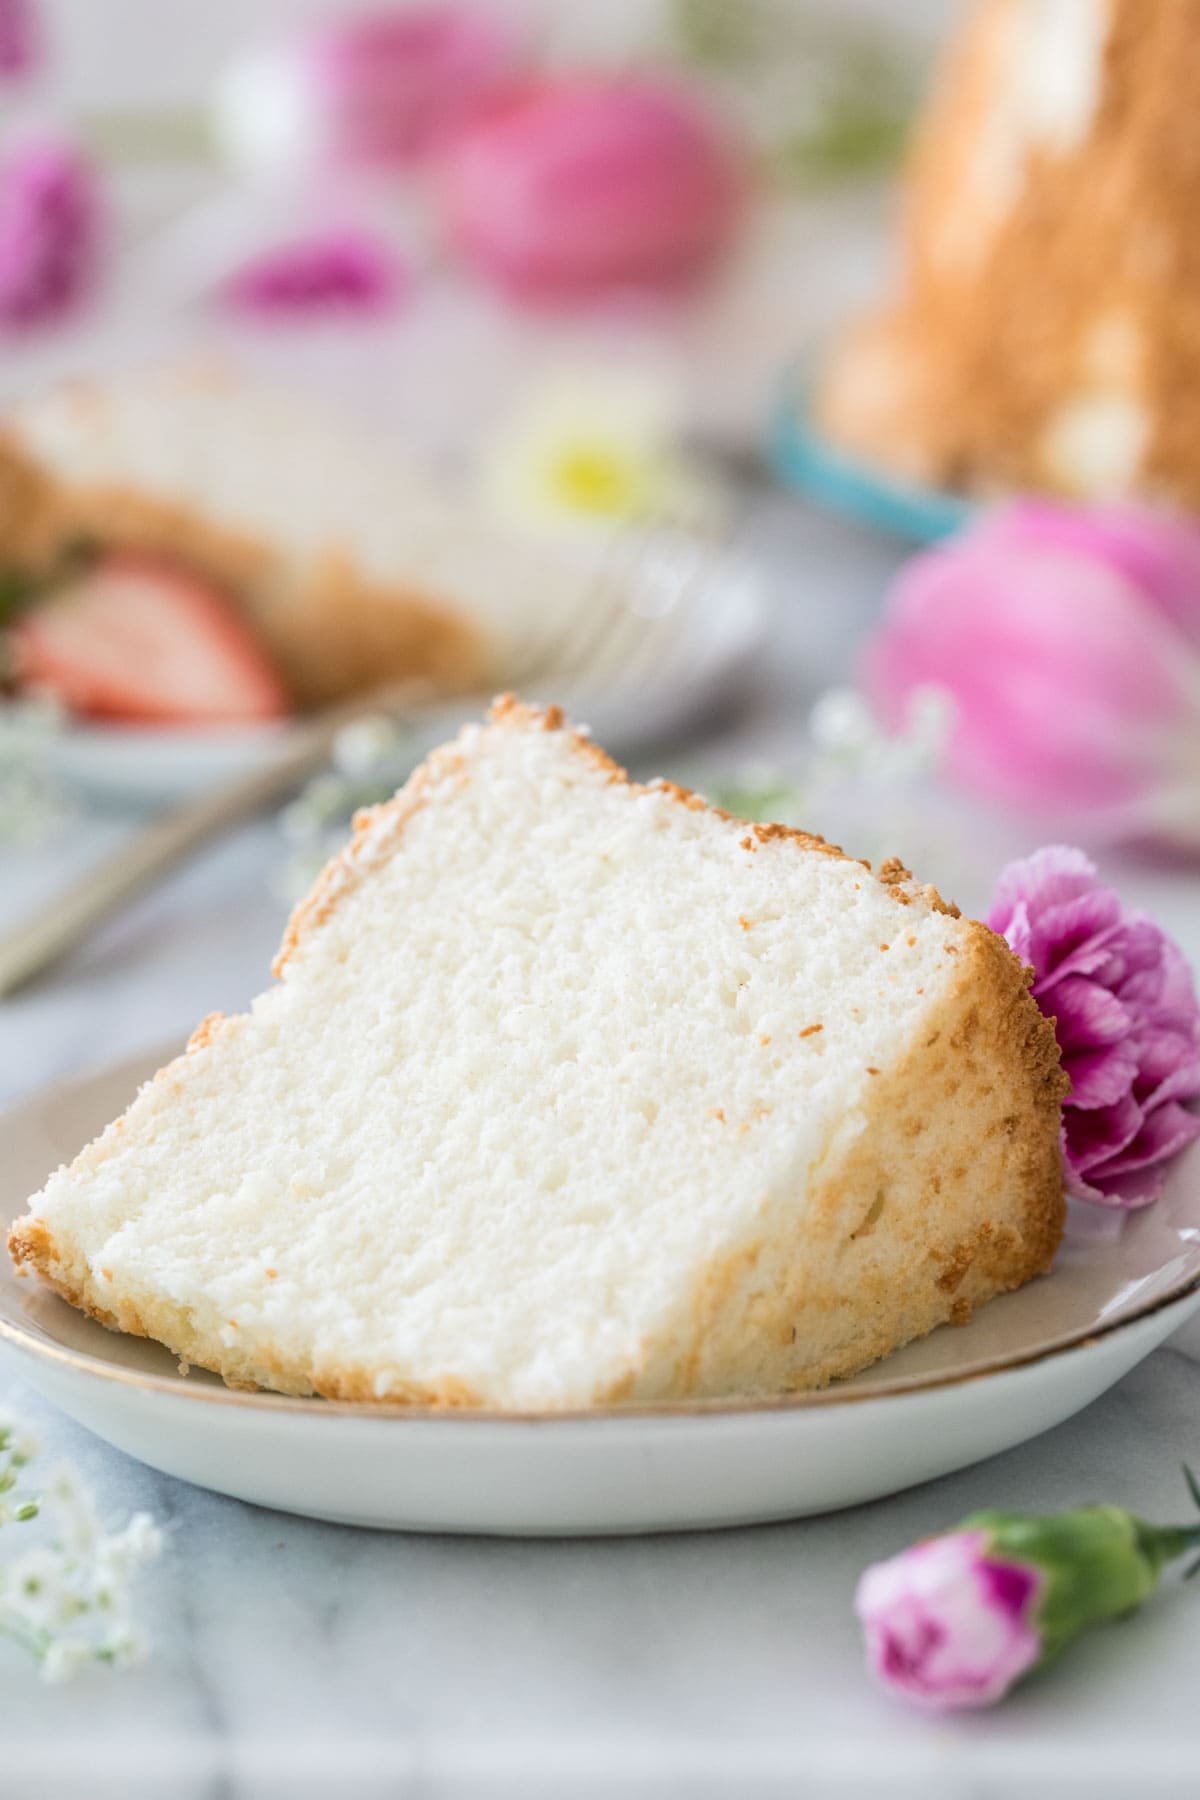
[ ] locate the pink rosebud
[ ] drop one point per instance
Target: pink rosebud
(50, 219)
(1126, 1017)
(20, 40)
(1069, 640)
(949, 1625)
(590, 184)
(339, 271)
(380, 89)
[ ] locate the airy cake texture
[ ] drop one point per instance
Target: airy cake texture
(353, 567)
(572, 1091)
(1045, 331)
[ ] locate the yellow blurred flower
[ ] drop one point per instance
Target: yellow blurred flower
(586, 452)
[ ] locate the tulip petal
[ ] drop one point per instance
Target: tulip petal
(1075, 692)
(1157, 552)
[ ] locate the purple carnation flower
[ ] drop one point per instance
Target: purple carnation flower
(49, 231)
(1126, 1018)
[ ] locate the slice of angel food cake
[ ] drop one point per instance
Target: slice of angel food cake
(574, 1092)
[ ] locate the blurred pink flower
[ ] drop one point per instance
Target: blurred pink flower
(590, 183)
(1126, 1017)
(20, 40)
(336, 271)
(377, 89)
(949, 1625)
(1069, 640)
(956, 1620)
(50, 229)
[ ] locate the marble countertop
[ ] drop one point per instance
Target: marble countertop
(298, 1659)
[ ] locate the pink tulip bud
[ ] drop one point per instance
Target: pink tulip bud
(378, 90)
(1068, 639)
(588, 184)
(50, 222)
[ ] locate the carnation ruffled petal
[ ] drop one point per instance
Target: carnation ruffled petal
(1100, 1077)
(1165, 1132)
(1050, 877)
(1168, 1067)
(1127, 1020)
(1088, 1014)
(1075, 937)
(1095, 1135)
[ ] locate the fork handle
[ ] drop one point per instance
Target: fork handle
(160, 846)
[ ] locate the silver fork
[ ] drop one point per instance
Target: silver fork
(644, 591)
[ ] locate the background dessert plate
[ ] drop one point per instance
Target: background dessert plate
(1025, 1363)
(803, 458)
(639, 675)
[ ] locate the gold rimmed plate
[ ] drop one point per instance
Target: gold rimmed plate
(1022, 1365)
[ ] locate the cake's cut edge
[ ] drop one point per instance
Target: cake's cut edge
(34, 1248)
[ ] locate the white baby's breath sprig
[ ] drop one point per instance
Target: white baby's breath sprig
(857, 781)
(370, 759)
(34, 804)
(66, 1598)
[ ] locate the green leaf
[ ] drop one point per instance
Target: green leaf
(1192, 1484)
(774, 800)
(16, 592)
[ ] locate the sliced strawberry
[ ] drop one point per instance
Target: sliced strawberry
(135, 639)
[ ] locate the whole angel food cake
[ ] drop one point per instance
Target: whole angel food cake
(185, 545)
(574, 1092)
(1045, 328)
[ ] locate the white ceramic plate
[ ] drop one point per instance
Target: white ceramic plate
(1025, 1363)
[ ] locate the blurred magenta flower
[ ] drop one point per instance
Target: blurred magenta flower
(591, 183)
(1126, 1017)
(337, 271)
(50, 231)
(378, 89)
(20, 40)
(948, 1625)
(1068, 639)
(955, 1621)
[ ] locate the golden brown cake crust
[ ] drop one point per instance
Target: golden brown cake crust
(1083, 285)
(971, 1212)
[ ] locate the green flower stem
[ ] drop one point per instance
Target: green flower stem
(1098, 1562)
(22, 1633)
